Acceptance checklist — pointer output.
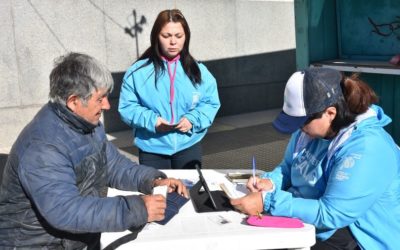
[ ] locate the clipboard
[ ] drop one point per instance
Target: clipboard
(208, 201)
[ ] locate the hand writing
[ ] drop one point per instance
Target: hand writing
(261, 184)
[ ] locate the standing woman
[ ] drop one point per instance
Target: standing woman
(168, 97)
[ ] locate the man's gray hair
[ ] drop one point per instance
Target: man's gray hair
(80, 75)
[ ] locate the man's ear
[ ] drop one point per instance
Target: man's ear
(72, 102)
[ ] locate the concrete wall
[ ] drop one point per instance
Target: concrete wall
(239, 40)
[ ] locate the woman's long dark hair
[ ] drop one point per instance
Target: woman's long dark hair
(153, 53)
(358, 96)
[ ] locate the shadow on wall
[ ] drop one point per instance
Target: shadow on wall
(245, 84)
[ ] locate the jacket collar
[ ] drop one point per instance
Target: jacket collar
(75, 122)
(176, 58)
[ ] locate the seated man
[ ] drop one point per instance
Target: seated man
(55, 180)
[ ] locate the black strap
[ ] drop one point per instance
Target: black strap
(124, 239)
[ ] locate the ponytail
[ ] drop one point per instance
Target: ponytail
(358, 96)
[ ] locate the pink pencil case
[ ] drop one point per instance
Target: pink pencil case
(274, 221)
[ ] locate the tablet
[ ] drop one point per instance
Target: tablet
(205, 200)
(204, 183)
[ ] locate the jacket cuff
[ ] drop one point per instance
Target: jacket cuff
(147, 186)
(267, 196)
(138, 213)
(153, 122)
(275, 177)
(276, 180)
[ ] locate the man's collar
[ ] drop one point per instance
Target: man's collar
(74, 121)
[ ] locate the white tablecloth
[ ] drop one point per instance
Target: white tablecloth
(214, 230)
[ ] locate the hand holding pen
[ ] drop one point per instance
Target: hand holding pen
(256, 184)
(260, 184)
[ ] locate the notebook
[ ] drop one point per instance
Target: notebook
(174, 202)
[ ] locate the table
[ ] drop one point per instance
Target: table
(214, 230)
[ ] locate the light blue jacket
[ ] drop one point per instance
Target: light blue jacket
(353, 180)
(141, 102)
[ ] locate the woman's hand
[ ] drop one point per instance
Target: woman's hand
(250, 204)
(184, 125)
(260, 184)
(173, 185)
(163, 126)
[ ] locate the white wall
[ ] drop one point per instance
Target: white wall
(34, 32)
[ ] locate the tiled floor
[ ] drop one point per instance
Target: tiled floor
(231, 142)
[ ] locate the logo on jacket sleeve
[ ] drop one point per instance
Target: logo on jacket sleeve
(347, 163)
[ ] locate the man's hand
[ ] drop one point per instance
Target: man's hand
(250, 204)
(173, 185)
(261, 185)
(155, 205)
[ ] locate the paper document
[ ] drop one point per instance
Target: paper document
(163, 190)
(234, 191)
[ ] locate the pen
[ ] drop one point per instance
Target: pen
(254, 171)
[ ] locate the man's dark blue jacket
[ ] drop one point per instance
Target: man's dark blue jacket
(54, 185)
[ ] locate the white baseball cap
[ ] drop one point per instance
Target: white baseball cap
(306, 93)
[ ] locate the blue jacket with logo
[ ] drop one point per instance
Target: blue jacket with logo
(55, 181)
(141, 102)
(353, 180)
